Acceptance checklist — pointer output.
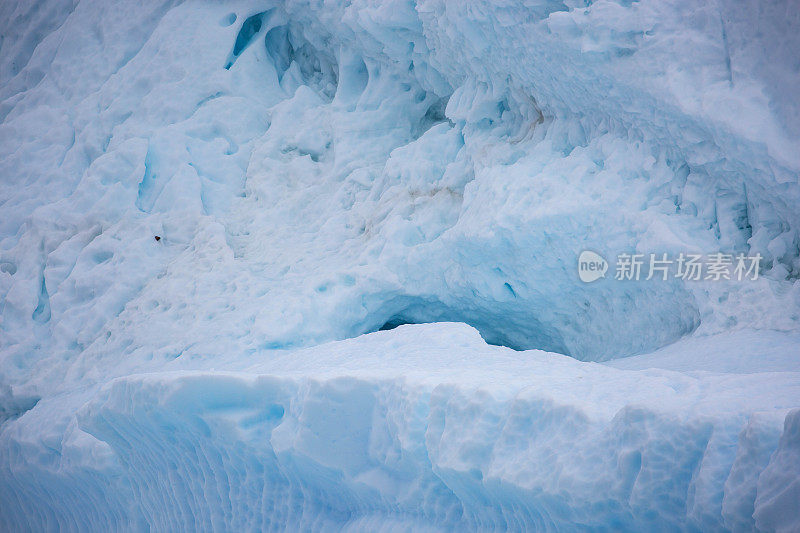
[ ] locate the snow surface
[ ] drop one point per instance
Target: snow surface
(320, 170)
(425, 425)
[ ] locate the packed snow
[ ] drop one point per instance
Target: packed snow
(312, 265)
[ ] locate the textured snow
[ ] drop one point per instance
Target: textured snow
(316, 171)
(425, 425)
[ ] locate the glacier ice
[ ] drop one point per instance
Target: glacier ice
(319, 171)
(421, 426)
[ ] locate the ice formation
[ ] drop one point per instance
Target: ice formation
(318, 171)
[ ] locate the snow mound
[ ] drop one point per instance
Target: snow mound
(424, 425)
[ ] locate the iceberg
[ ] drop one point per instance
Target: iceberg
(314, 265)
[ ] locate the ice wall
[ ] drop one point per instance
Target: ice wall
(319, 170)
(427, 430)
